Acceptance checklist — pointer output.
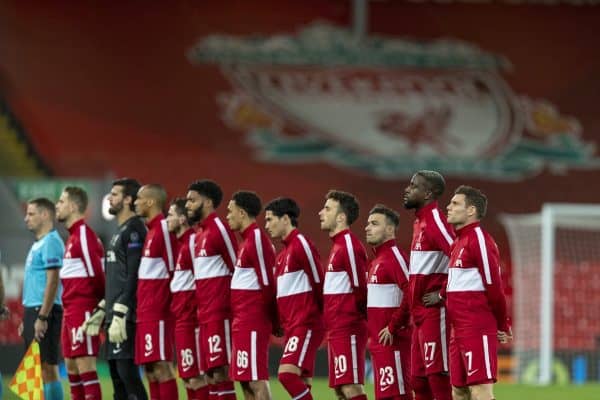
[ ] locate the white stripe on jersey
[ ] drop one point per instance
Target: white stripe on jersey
(309, 256)
(210, 267)
(441, 226)
(401, 260)
(337, 283)
(167, 239)
(428, 262)
(350, 249)
(261, 257)
(73, 268)
(383, 295)
(153, 268)
(292, 283)
(244, 279)
(484, 255)
(182, 281)
(226, 239)
(464, 280)
(85, 250)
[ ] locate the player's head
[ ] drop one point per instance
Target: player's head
(177, 216)
(281, 217)
(40, 215)
(123, 195)
(71, 204)
(203, 197)
(242, 210)
(339, 212)
(151, 200)
(468, 205)
(424, 187)
(381, 225)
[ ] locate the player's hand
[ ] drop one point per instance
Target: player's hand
(505, 336)
(91, 326)
(431, 299)
(39, 329)
(117, 331)
(4, 312)
(386, 337)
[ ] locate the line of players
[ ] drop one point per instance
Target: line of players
(185, 279)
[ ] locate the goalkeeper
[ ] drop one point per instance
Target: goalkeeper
(122, 263)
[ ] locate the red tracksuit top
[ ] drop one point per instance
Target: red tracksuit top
(183, 287)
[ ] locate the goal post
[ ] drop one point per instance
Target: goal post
(556, 280)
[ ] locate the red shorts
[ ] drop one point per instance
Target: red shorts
(301, 346)
(75, 343)
(429, 352)
(153, 341)
(473, 360)
(215, 344)
(250, 355)
(391, 370)
(347, 358)
(187, 347)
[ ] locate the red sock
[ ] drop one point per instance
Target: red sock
(76, 386)
(168, 389)
(421, 387)
(226, 390)
(91, 385)
(359, 397)
(440, 386)
(295, 386)
(154, 390)
(198, 394)
(213, 391)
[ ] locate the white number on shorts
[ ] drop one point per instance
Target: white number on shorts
(387, 376)
(76, 335)
(214, 344)
(469, 355)
(291, 345)
(148, 339)
(187, 358)
(341, 365)
(242, 359)
(429, 351)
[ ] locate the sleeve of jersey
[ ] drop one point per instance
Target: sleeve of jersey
(135, 243)
(400, 318)
(358, 272)
(229, 245)
(489, 268)
(311, 263)
(92, 254)
(442, 234)
(265, 257)
(52, 253)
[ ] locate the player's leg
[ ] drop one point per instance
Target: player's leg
(291, 379)
(461, 393)
(479, 356)
(89, 377)
(215, 355)
(298, 360)
(247, 390)
(391, 377)
(164, 374)
(129, 374)
(261, 389)
(349, 363)
(482, 392)
(458, 371)
(119, 390)
(75, 384)
(70, 343)
(188, 361)
(49, 348)
(418, 378)
(434, 335)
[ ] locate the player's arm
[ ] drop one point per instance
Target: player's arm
(357, 270)
(134, 245)
(489, 268)
(400, 318)
(229, 245)
(311, 263)
(4, 312)
(52, 256)
(443, 236)
(92, 257)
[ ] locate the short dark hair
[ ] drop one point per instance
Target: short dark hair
(284, 206)
(248, 201)
(158, 193)
(179, 203)
(208, 189)
(348, 204)
(130, 188)
(78, 196)
(391, 216)
(474, 197)
(435, 181)
(45, 204)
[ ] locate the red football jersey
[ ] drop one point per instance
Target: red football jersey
(345, 287)
(387, 305)
(429, 256)
(215, 251)
(299, 278)
(474, 296)
(155, 272)
(82, 273)
(183, 295)
(252, 289)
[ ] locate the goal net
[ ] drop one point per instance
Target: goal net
(556, 293)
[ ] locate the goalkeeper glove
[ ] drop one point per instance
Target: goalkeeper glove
(91, 326)
(117, 332)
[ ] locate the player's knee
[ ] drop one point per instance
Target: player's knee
(482, 392)
(353, 390)
(460, 393)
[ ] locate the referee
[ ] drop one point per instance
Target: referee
(41, 292)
